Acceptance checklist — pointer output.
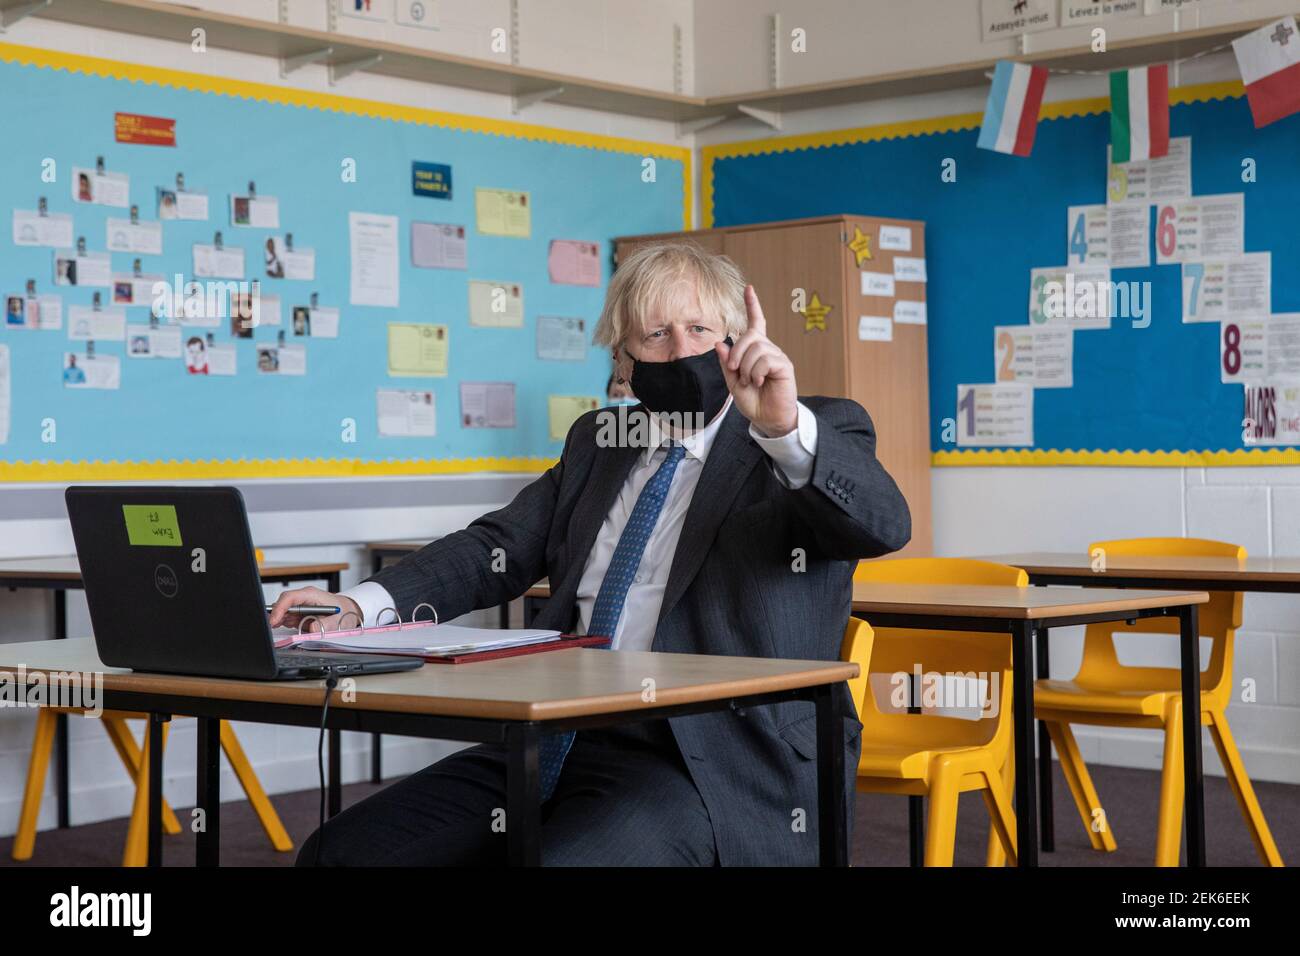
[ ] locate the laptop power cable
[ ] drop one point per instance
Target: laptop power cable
(331, 682)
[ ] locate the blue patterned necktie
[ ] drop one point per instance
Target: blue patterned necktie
(553, 748)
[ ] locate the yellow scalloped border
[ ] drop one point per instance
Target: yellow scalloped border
(20, 471)
(206, 469)
(1202, 92)
(1241, 457)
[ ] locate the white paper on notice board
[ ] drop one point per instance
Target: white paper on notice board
(896, 238)
(908, 269)
(909, 313)
(878, 283)
(991, 415)
(875, 328)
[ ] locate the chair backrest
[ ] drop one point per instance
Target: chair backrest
(960, 656)
(1218, 620)
(856, 649)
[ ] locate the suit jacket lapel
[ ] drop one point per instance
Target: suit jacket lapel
(730, 459)
(609, 471)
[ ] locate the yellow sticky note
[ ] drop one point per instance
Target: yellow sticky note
(417, 350)
(564, 410)
(503, 212)
(152, 525)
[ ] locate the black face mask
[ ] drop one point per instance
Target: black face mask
(691, 385)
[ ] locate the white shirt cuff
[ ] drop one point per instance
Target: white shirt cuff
(794, 454)
(374, 600)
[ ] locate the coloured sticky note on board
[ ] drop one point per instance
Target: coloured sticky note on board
(153, 526)
(564, 410)
(417, 350)
(503, 212)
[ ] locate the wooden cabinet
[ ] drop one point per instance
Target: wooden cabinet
(810, 281)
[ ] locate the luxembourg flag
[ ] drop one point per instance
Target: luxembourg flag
(1269, 60)
(1139, 114)
(1011, 114)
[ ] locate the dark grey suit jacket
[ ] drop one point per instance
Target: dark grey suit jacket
(733, 589)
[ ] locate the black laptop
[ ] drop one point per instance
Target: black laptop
(172, 585)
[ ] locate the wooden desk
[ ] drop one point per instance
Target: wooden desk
(60, 575)
(1028, 614)
(381, 551)
(511, 701)
(1184, 571)
(1267, 575)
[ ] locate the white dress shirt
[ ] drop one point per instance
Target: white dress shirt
(792, 456)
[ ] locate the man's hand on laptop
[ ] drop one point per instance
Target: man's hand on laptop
(284, 615)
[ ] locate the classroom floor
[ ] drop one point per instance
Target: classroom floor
(879, 836)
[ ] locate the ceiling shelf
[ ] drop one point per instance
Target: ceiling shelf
(344, 53)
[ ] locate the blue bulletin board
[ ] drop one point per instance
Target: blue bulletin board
(1141, 396)
(165, 423)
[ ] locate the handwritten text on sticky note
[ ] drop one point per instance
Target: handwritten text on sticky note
(152, 525)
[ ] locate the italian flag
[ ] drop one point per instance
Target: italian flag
(1269, 60)
(1139, 114)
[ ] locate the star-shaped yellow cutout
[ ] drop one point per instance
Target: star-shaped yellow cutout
(814, 314)
(860, 244)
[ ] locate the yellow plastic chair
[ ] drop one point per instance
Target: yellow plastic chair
(929, 754)
(1109, 694)
(136, 761)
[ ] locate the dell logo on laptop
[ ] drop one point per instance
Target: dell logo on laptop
(164, 579)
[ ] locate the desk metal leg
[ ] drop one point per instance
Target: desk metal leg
(832, 824)
(1189, 632)
(503, 615)
(154, 824)
(207, 792)
(915, 804)
(916, 830)
(523, 796)
(335, 773)
(1022, 707)
(1047, 822)
(61, 774)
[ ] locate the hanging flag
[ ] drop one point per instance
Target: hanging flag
(1139, 113)
(1269, 59)
(1011, 114)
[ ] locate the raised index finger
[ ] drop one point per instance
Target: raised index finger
(757, 322)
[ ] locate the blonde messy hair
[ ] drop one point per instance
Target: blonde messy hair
(649, 281)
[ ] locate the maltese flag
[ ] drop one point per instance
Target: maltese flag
(1269, 60)
(1011, 114)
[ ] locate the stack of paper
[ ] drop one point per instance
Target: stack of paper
(442, 640)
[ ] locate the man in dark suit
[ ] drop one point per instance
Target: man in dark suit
(724, 515)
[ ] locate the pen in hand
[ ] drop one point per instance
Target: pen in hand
(309, 609)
